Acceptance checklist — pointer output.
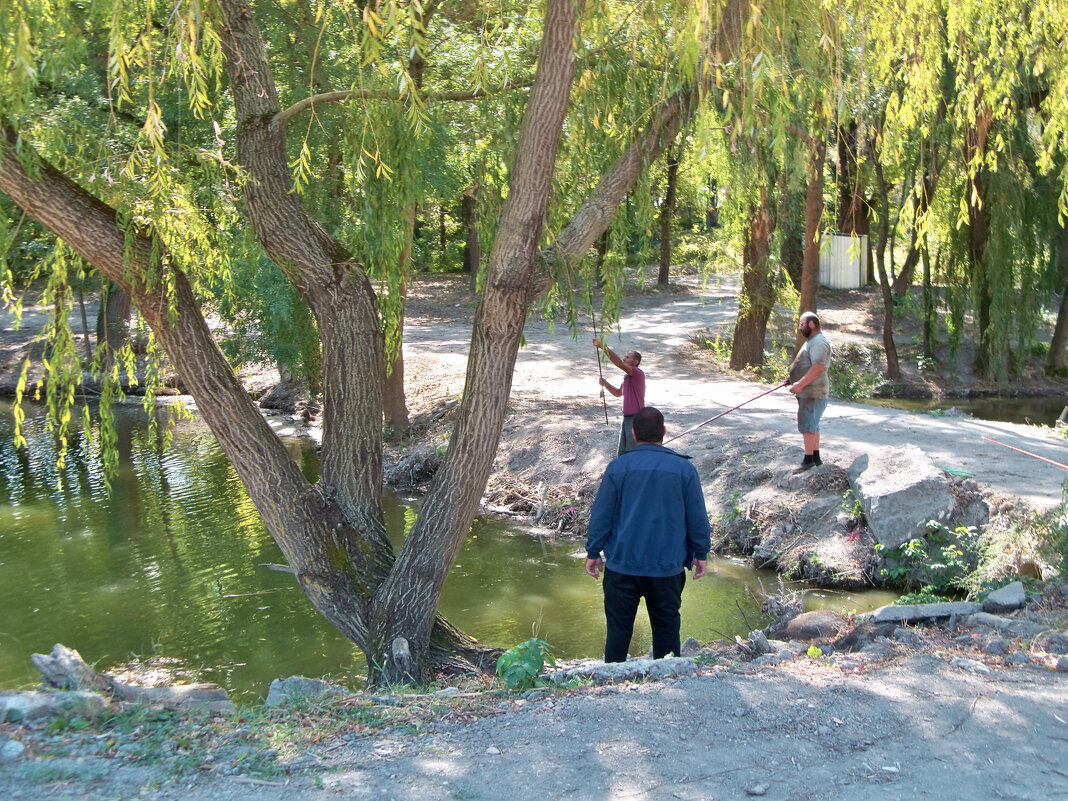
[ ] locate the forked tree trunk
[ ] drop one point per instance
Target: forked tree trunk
(666, 213)
(757, 295)
(332, 533)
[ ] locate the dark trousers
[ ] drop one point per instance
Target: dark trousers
(663, 597)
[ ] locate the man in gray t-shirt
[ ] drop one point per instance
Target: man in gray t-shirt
(810, 382)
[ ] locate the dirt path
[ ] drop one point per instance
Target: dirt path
(912, 726)
(557, 427)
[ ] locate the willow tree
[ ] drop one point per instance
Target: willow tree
(154, 230)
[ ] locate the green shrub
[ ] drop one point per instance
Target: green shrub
(520, 667)
(942, 561)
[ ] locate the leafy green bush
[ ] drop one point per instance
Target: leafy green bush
(520, 667)
(854, 371)
(926, 595)
(943, 560)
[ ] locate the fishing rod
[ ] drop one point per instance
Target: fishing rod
(1028, 453)
(721, 414)
(600, 373)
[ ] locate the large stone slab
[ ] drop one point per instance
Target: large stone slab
(918, 613)
(900, 489)
(1012, 627)
(632, 669)
(300, 689)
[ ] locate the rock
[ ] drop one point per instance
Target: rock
(917, 613)
(970, 665)
(21, 707)
(64, 668)
(1057, 643)
(1006, 599)
(819, 625)
(757, 789)
(1019, 658)
(691, 647)
(1006, 626)
(493, 750)
(208, 697)
(758, 643)
(532, 695)
(11, 751)
(1064, 591)
(909, 637)
(600, 673)
(996, 646)
(1062, 664)
(298, 688)
(767, 659)
(900, 489)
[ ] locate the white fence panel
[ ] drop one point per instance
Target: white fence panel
(844, 261)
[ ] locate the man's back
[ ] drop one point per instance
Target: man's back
(649, 515)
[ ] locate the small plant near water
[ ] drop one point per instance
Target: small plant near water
(943, 561)
(926, 595)
(520, 667)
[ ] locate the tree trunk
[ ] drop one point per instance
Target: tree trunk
(404, 604)
(332, 533)
(810, 270)
(928, 304)
(1059, 343)
(394, 407)
(757, 295)
(893, 367)
(854, 217)
(666, 212)
(978, 234)
(113, 321)
(472, 250)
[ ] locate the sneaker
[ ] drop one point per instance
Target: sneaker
(804, 466)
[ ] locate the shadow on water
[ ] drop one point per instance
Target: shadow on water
(169, 562)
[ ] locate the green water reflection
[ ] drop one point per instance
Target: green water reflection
(169, 562)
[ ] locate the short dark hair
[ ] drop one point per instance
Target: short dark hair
(637, 357)
(649, 425)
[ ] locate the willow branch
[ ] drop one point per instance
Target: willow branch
(282, 117)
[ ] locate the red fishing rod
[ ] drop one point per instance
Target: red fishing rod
(739, 406)
(600, 373)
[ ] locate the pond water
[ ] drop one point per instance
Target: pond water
(1033, 411)
(169, 562)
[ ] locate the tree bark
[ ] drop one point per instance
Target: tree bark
(113, 321)
(405, 603)
(1055, 360)
(810, 270)
(666, 212)
(978, 234)
(893, 367)
(757, 296)
(472, 250)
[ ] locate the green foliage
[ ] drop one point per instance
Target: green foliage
(854, 371)
(943, 560)
(925, 595)
(521, 666)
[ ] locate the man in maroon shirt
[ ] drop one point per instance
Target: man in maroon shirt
(632, 390)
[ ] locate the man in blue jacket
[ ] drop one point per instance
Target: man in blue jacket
(649, 519)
